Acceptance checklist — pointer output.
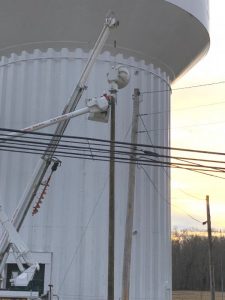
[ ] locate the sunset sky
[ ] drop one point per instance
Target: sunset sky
(198, 122)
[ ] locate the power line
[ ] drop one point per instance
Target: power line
(185, 87)
(196, 165)
(80, 139)
(186, 213)
(178, 165)
(185, 126)
(189, 215)
(201, 172)
(182, 109)
(165, 200)
(167, 176)
(189, 194)
(197, 106)
(42, 136)
(103, 153)
(149, 137)
(144, 156)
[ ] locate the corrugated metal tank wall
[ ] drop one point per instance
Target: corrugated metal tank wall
(73, 219)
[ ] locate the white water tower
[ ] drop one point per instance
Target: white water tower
(44, 45)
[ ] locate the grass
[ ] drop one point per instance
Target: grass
(195, 295)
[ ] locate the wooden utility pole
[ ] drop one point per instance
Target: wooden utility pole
(211, 265)
(221, 265)
(130, 201)
(111, 203)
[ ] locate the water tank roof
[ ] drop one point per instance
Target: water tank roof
(160, 32)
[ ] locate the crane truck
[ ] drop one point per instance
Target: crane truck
(98, 109)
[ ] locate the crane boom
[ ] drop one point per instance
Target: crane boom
(45, 161)
(93, 105)
(21, 253)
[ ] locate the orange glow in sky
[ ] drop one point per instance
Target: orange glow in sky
(198, 122)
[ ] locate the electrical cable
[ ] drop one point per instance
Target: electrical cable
(190, 169)
(143, 123)
(166, 175)
(184, 126)
(124, 160)
(200, 165)
(201, 172)
(186, 213)
(107, 142)
(95, 153)
(192, 161)
(79, 139)
(189, 194)
(163, 198)
(185, 87)
(183, 109)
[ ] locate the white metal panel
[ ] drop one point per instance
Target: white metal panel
(73, 219)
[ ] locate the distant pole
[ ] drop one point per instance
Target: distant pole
(130, 201)
(221, 264)
(111, 203)
(211, 266)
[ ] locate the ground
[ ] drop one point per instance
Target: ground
(193, 295)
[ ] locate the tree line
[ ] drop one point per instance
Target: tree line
(190, 262)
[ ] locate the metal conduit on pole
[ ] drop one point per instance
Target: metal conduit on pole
(111, 236)
(130, 202)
